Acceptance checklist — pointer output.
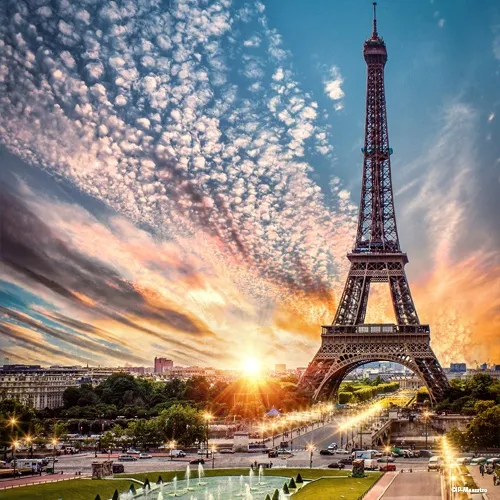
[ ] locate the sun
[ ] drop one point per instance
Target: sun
(251, 367)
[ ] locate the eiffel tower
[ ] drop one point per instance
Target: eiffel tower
(376, 258)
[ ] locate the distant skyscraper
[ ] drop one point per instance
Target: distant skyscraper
(280, 368)
(163, 364)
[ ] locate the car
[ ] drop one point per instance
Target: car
(226, 451)
(272, 454)
(434, 463)
(341, 451)
(370, 464)
(127, 458)
(478, 461)
(336, 465)
(131, 451)
(178, 453)
(385, 459)
(118, 468)
(462, 460)
(346, 460)
(425, 453)
(145, 455)
(387, 467)
(332, 446)
(197, 461)
(326, 452)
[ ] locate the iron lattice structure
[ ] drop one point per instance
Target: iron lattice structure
(375, 258)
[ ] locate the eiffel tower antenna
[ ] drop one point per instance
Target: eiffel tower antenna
(376, 257)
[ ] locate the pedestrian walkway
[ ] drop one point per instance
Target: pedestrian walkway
(26, 480)
(485, 482)
(380, 486)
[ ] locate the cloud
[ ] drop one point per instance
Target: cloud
(333, 87)
(441, 23)
(496, 42)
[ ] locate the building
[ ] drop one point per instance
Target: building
(280, 368)
(38, 387)
(458, 367)
(163, 364)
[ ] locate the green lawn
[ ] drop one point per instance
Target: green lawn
(74, 489)
(328, 488)
(87, 489)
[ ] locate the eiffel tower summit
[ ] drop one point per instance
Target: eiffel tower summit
(376, 258)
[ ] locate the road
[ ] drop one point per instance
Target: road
(421, 485)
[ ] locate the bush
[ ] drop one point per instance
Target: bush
(292, 484)
(299, 479)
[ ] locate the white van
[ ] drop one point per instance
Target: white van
(370, 464)
(29, 463)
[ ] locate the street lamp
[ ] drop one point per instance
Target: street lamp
(426, 418)
(311, 449)
(273, 427)
(213, 456)
(208, 417)
(54, 443)
(29, 441)
(14, 446)
(387, 449)
(171, 445)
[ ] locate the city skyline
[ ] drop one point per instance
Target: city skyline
(199, 188)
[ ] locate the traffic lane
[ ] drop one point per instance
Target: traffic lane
(319, 438)
(421, 485)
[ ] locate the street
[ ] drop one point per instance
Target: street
(421, 484)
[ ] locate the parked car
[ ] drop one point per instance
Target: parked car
(197, 461)
(346, 460)
(226, 450)
(131, 451)
(326, 452)
(127, 458)
(387, 467)
(177, 453)
(385, 459)
(425, 453)
(336, 465)
(272, 454)
(434, 463)
(145, 455)
(341, 451)
(478, 461)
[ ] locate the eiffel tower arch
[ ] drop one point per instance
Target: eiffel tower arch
(376, 258)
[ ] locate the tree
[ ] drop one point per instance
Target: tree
(59, 430)
(484, 430)
(457, 437)
(183, 424)
(482, 405)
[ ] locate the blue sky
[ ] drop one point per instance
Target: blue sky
(187, 173)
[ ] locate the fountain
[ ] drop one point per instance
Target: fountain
(188, 477)
(160, 496)
(250, 477)
(241, 486)
(201, 473)
(261, 474)
(219, 492)
(230, 487)
(248, 494)
(175, 486)
(282, 495)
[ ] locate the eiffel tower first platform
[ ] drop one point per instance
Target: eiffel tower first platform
(376, 257)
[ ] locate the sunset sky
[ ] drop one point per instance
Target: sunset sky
(181, 178)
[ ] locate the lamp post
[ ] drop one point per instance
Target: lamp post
(54, 444)
(311, 449)
(208, 417)
(291, 436)
(213, 457)
(273, 427)
(171, 446)
(426, 418)
(14, 446)
(29, 441)
(387, 450)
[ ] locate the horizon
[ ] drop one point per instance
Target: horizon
(186, 180)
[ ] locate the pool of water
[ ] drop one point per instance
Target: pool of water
(217, 488)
